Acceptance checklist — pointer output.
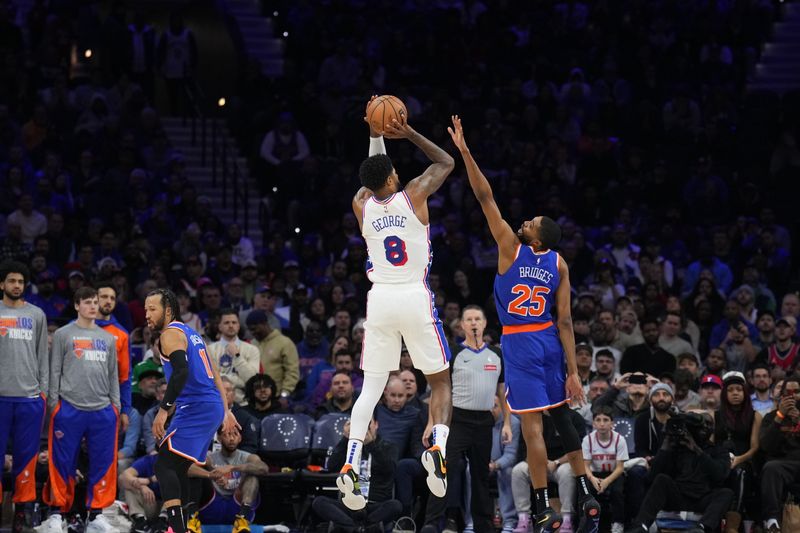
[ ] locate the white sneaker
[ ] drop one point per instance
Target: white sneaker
(100, 525)
(617, 527)
(53, 524)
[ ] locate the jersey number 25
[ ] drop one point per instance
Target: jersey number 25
(529, 301)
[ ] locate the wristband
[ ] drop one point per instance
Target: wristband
(376, 146)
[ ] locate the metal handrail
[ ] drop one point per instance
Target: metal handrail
(222, 162)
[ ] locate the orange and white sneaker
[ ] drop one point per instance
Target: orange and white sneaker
(434, 463)
(347, 483)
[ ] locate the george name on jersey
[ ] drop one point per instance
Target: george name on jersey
(389, 221)
(535, 273)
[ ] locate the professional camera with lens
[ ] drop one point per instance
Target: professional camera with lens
(681, 424)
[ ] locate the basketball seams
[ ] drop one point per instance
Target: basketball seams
(380, 108)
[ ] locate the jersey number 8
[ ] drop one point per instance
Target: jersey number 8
(395, 250)
(532, 296)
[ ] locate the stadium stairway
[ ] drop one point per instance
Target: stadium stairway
(778, 69)
(201, 176)
(258, 37)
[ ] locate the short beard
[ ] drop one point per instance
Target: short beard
(665, 410)
(12, 297)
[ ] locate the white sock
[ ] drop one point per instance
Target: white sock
(353, 458)
(440, 433)
(771, 522)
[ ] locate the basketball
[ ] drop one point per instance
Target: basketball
(383, 109)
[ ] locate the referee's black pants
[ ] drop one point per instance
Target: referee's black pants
(470, 440)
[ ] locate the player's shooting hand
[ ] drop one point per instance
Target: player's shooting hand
(372, 131)
(574, 389)
(457, 134)
(398, 130)
(229, 423)
(159, 423)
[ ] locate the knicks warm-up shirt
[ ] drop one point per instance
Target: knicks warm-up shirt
(200, 385)
(526, 293)
(83, 368)
(397, 242)
(24, 361)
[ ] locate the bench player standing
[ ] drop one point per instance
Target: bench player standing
(24, 375)
(531, 286)
(394, 223)
(194, 396)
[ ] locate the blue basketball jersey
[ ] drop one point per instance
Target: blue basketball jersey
(200, 386)
(526, 293)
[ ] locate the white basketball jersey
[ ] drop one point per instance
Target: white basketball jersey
(397, 242)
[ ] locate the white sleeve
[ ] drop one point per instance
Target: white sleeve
(376, 146)
(622, 449)
(587, 455)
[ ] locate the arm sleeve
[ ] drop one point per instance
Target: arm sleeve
(771, 438)
(587, 454)
(56, 363)
(44, 357)
(180, 373)
(376, 146)
(113, 377)
(291, 367)
(124, 372)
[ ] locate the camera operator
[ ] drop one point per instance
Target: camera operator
(780, 442)
(628, 396)
(688, 472)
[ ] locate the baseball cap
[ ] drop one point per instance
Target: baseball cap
(586, 294)
(733, 377)
(264, 289)
(711, 379)
(257, 316)
(76, 273)
(789, 320)
(150, 373)
(291, 263)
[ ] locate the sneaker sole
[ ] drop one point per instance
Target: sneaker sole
(437, 486)
(351, 500)
(591, 520)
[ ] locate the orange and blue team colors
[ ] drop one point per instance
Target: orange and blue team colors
(24, 374)
(532, 351)
(120, 334)
(199, 410)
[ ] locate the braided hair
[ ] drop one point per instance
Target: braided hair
(168, 301)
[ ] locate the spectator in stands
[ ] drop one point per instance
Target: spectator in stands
(685, 397)
(558, 471)
(31, 222)
(731, 319)
(599, 333)
(236, 360)
(688, 473)
(379, 455)
(669, 339)
(143, 497)
(342, 396)
(605, 365)
(761, 383)
(583, 359)
(397, 421)
(766, 330)
(150, 444)
(628, 395)
(47, 299)
(604, 453)
(234, 475)
(503, 457)
(313, 349)
(737, 430)
(278, 354)
(250, 425)
(648, 357)
(616, 338)
(790, 305)
(781, 355)
(780, 443)
(261, 394)
(688, 361)
(177, 59)
(739, 350)
(710, 392)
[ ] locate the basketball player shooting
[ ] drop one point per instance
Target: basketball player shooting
(394, 223)
(530, 289)
(194, 398)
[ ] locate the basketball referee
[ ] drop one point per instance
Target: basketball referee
(477, 375)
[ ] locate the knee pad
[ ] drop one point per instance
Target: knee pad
(569, 435)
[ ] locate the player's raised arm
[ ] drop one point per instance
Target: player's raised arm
(503, 234)
(376, 146)
(421, 187)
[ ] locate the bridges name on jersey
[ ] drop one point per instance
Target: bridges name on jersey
(525, 294)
